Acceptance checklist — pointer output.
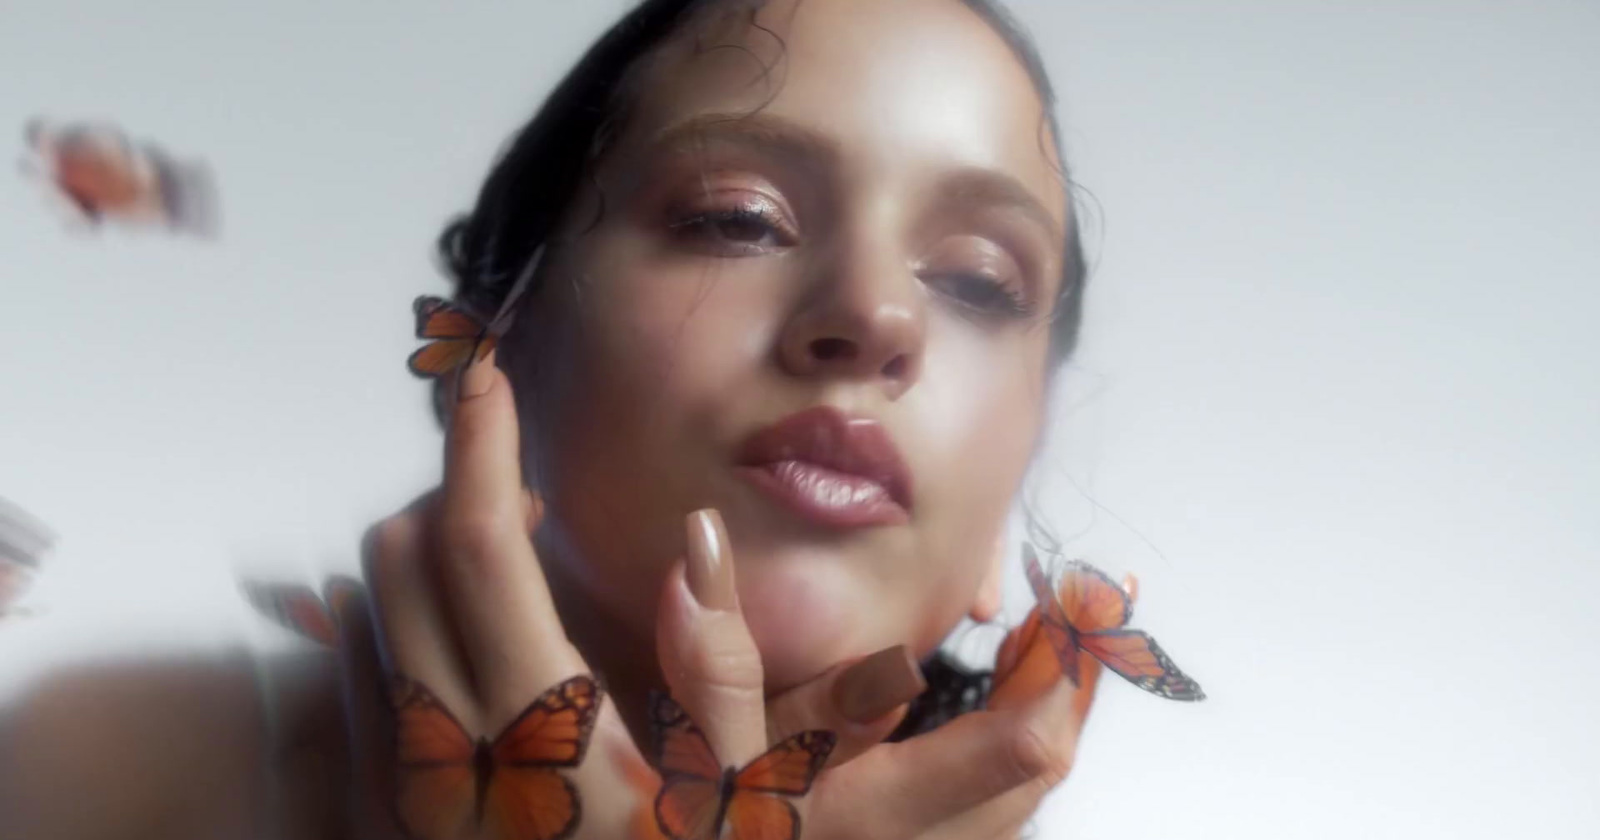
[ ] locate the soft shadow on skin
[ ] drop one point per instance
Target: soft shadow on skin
(140, 740)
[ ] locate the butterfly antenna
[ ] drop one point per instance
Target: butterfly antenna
(501, 319)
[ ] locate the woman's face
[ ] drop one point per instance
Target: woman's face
(816, 299)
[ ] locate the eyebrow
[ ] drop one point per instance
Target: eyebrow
(975, 185)
(759, 131)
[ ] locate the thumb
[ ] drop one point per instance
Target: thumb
(862, 702)
(710, 661)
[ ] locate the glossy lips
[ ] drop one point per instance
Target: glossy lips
(834, 470)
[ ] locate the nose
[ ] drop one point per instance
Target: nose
(863, 318)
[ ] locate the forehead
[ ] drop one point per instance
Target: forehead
(903, 88)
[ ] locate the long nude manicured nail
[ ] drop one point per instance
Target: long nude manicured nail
(478, 377)
(879, 684)
(710, 562)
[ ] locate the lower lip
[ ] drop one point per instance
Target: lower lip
(827, 497)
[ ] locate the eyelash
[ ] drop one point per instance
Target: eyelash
(711, 223)
(992, 297)
(996, 298)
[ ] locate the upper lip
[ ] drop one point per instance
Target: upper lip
(828, 438)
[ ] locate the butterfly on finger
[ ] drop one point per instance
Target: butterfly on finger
(1088, 611)
(457, 335)
(700, 799)
(450, 785)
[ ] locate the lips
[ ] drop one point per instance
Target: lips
(835, 470)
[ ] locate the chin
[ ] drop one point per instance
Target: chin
(803, 620)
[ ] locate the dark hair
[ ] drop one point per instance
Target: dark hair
(542, 170)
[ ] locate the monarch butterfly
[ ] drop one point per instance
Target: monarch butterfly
(295, 607)
(699, 796)
(450, 786)
(458, 335)
(1090, 614)
(106, 177)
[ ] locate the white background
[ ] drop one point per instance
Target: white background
(1337, 397)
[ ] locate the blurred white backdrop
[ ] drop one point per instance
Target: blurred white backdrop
(1337, 400)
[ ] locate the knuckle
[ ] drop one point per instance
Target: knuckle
(474, 537)
(1038, 759)
(723, 665)
(385, 544)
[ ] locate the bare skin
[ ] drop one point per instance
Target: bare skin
(897, 256)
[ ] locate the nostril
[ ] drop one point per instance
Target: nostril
(833, 349)
(896, 368)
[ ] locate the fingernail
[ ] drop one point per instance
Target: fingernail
(1130, 585)
(877, 685)
(478, 378)
(709, 567)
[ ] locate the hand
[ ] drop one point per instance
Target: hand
(458, 603)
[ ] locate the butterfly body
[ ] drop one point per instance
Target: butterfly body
(1090, 613)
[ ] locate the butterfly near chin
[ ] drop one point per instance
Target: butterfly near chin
(457, 336)
(450, 785)
(700, 799)
(1089, 612)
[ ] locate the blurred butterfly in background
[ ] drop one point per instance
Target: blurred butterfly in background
(24, 541)
(451, 786)
(458, 335)
(699, 796)
(298, 608)
(106, 177)
(1090, 614)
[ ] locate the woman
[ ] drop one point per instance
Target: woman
(808, 268)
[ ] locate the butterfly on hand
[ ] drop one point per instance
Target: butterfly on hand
(451, 786)
(298, 609)
(1090, 614)
(699, 797)
(459, 336)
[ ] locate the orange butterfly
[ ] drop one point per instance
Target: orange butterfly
(295, 607)
(699, 797)
(451, 786)
(460, 336)
(1090, 614)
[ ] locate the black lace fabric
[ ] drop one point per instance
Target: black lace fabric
(953, 690)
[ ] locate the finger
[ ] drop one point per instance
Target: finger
(496, 594)
(367, 718)
(927, 780)
(414, 634)
(861, 702)
(1004, 814)
(707, 654)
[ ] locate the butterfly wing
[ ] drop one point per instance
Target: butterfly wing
(436, 785)
(554, 730)
(530, 803)
(761, 816)
(294, 607)
(758, 810)
(790, 767)
(459, 337)
(527, 799)
(1052, 618)
(1137, 657)
(1092, 600)
(690, 798)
